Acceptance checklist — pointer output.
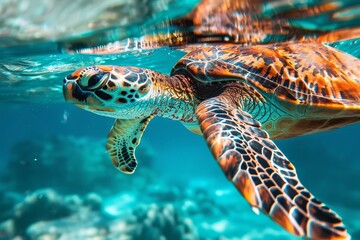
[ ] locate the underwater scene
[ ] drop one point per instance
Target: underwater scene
(57, 173)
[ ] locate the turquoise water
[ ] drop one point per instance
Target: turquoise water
(53, 154)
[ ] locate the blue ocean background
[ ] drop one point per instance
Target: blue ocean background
(56, 179)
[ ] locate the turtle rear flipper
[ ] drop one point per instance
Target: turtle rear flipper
(262, 174)
(124, 137)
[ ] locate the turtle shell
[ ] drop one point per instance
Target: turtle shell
(314, 78)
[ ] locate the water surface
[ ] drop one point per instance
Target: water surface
(47, 143)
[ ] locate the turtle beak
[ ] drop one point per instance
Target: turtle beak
(73, 92)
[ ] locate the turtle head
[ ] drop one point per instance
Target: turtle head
(120, 92)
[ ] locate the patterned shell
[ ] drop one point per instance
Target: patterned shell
(291, 74)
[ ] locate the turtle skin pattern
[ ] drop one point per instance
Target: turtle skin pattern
(261, 172)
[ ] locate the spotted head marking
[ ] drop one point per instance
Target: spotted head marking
(108, 90)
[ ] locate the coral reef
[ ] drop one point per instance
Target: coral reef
(45, 214)
(162, 222)
(44, 205)
(66, 188)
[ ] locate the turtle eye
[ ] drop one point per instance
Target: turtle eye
(95, 81)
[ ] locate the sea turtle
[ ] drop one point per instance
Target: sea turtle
(239, 98)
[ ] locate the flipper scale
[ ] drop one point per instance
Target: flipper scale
(262, 173)
(124, 137)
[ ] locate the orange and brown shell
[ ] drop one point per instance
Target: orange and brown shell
(310, 81)
(311, 74)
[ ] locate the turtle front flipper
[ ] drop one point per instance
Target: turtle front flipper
(260, 171)
(124, 137)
